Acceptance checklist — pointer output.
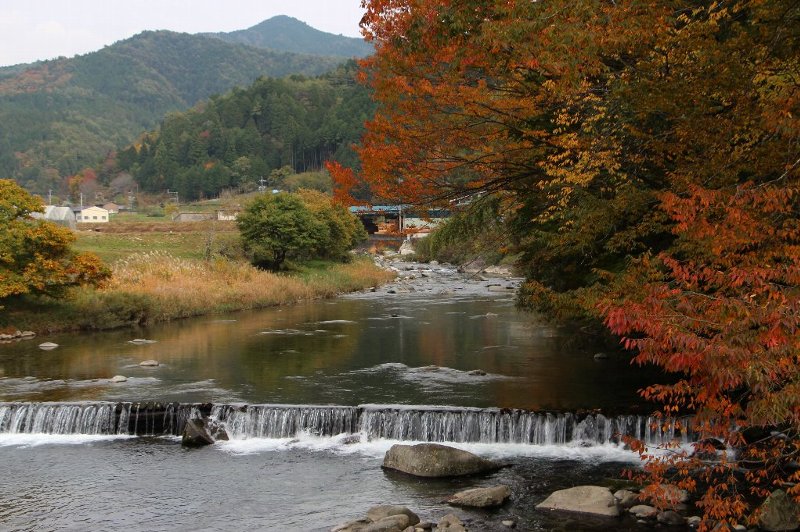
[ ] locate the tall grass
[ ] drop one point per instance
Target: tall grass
(155, 286)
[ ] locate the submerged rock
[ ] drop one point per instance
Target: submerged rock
(149, 363)
(481, 497)
(434, 460)
(118, 378)
(594, 500)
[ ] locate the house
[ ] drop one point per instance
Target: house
(398, 219)
(58, 215)
(92, 215)
(111, 207)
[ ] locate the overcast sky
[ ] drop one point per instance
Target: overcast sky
(43, 29)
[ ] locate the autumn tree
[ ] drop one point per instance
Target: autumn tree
(646, 159)
(35, 255)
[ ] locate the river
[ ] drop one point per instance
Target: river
(515, 388)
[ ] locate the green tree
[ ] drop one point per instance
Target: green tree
(275, 227)
(35, 255)
(341, 231)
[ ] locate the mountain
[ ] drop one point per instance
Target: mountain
(271, 128)
(58, 117)
(291, 35)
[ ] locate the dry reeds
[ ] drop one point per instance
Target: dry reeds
(180, 287)
(155, 286)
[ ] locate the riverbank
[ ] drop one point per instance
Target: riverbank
(154, 287)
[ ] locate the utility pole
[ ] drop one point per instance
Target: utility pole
(50, 196)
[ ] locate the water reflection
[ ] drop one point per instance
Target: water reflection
(347, 351)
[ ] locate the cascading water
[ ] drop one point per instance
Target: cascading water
(372, 422)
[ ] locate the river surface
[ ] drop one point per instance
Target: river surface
(415, 342)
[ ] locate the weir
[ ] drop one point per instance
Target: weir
(394, 422)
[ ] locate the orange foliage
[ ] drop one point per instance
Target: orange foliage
(648, 156)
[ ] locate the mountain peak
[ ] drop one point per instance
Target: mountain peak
(289, 34)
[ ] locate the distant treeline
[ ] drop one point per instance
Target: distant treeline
(234, 140)
(59, 117)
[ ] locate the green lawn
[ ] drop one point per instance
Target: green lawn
(112, 247)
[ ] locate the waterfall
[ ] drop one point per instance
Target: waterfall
(286, 421)
(394, 422)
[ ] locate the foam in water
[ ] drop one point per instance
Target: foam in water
(365, 429)
(36, 440)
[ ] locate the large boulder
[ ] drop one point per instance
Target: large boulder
(196, 434)
(594, 500)
(481, 497)
(779, 512)
(434, 460)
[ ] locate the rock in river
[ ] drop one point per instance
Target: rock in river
(376, 513)
(149, 363)
(481, 497)
(119, 378)
(434, 460)
(196, 434)
(47, 346)
(595, 500)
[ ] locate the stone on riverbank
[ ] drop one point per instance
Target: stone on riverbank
(392, 523)
(352, 526)
(626, 498)
(594, 500)
(671, 518)
(450, 523)
(481, 497)
(376, 513)
(779, 512)
(643, 511)
(434, 460)
(383, 518)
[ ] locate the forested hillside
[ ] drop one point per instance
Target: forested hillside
(249, 133)
(291, 35)
(58, 117)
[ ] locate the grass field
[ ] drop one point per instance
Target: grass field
(165, 270)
